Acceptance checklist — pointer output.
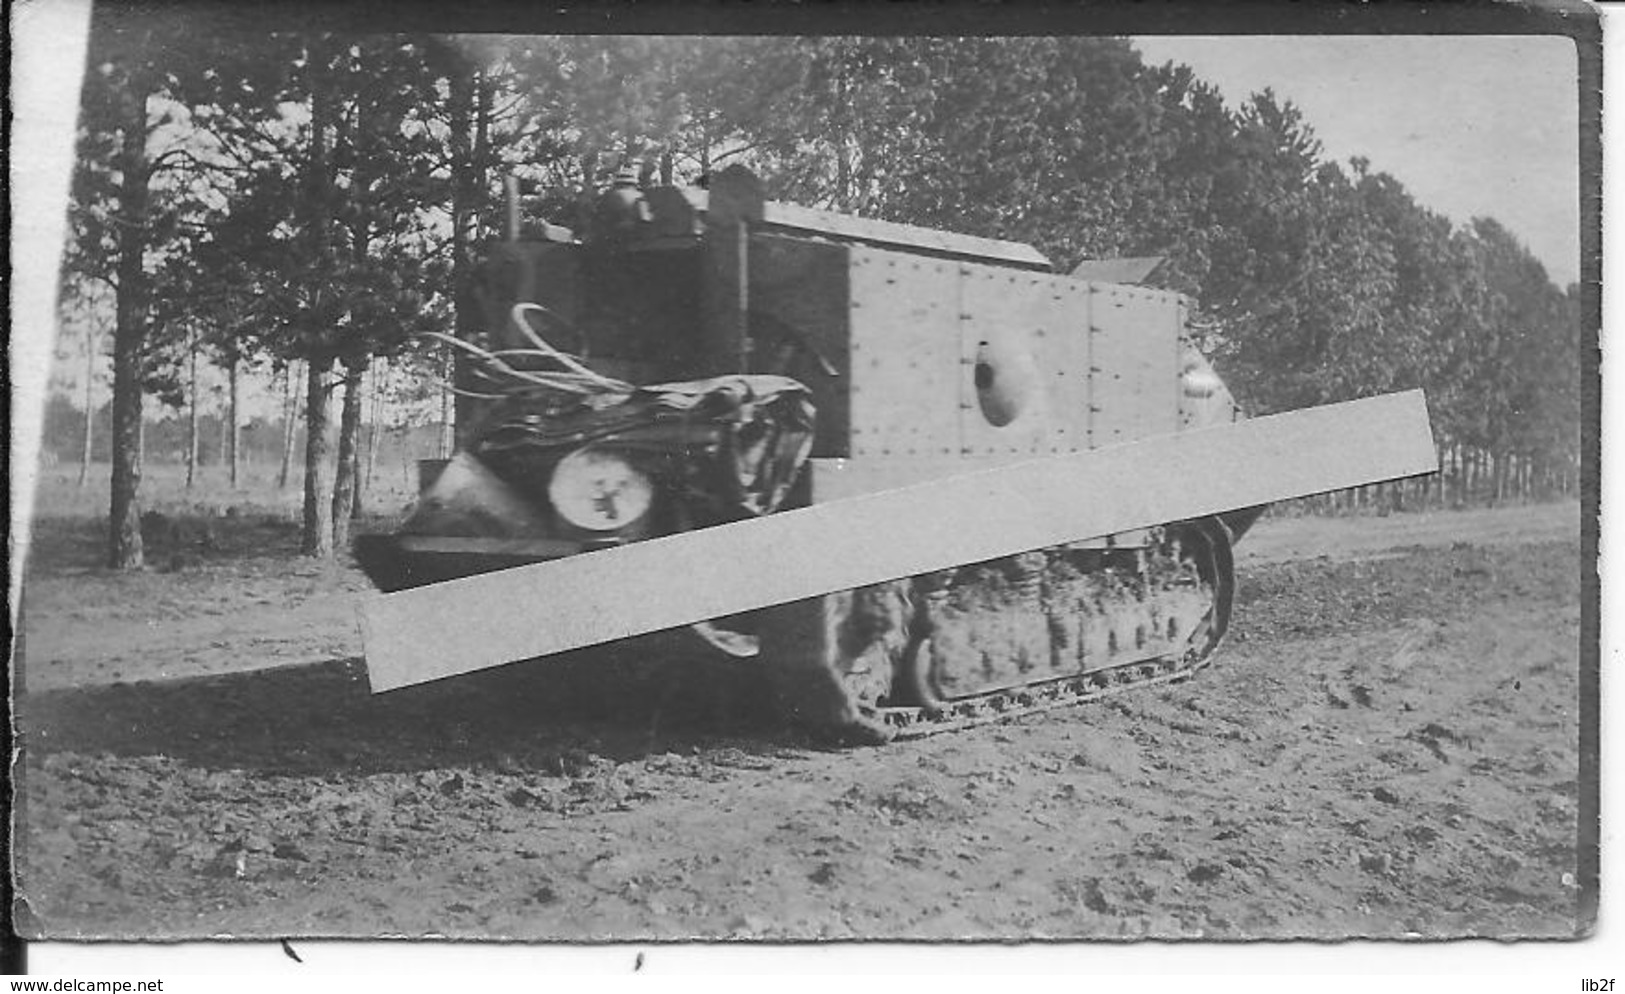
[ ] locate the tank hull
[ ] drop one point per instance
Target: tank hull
(926, 356)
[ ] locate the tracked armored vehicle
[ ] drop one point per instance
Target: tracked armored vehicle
(705, 356)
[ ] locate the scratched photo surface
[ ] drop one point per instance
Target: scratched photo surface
(665, 487)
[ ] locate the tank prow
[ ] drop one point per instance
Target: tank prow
(466, 521)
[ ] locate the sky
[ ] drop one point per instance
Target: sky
(1472, 125)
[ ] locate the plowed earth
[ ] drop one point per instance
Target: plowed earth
(1387, 746)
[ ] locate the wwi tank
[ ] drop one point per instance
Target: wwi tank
(704, 356)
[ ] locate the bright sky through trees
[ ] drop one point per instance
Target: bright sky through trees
(1472, 125)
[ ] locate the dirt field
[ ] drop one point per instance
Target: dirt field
(1387, 746)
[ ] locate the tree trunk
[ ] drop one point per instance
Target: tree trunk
(344, 489)
(448, 425)
(843, 159)
(233, 428)
(222, 438)
(843, 177)
(362, 440)
(90, 406)
(1433, 488)
(317, 537)
(124, 520)
(484, 110)
(467, 178)
(129, 334)
(375, 419)
(290, 416)
(356, 509)
(191, 410)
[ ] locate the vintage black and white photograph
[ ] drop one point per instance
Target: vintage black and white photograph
(802, 487)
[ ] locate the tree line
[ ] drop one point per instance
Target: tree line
(265, 446)
(315, 201)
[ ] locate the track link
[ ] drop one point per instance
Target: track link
(1036, 698)
(875, 721)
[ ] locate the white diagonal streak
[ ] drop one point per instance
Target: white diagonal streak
(451, 628)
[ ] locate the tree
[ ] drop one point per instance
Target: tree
(206, 290)
(88, 301)
(315, 200)
(121, 213)
(477, 121)
(330, 223)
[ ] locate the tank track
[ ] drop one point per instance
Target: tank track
(1035, 698)
(895, 686)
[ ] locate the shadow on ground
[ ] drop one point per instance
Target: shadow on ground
(320, 718)
(247, 539)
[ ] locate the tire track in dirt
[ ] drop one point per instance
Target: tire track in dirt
(1386, 747)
